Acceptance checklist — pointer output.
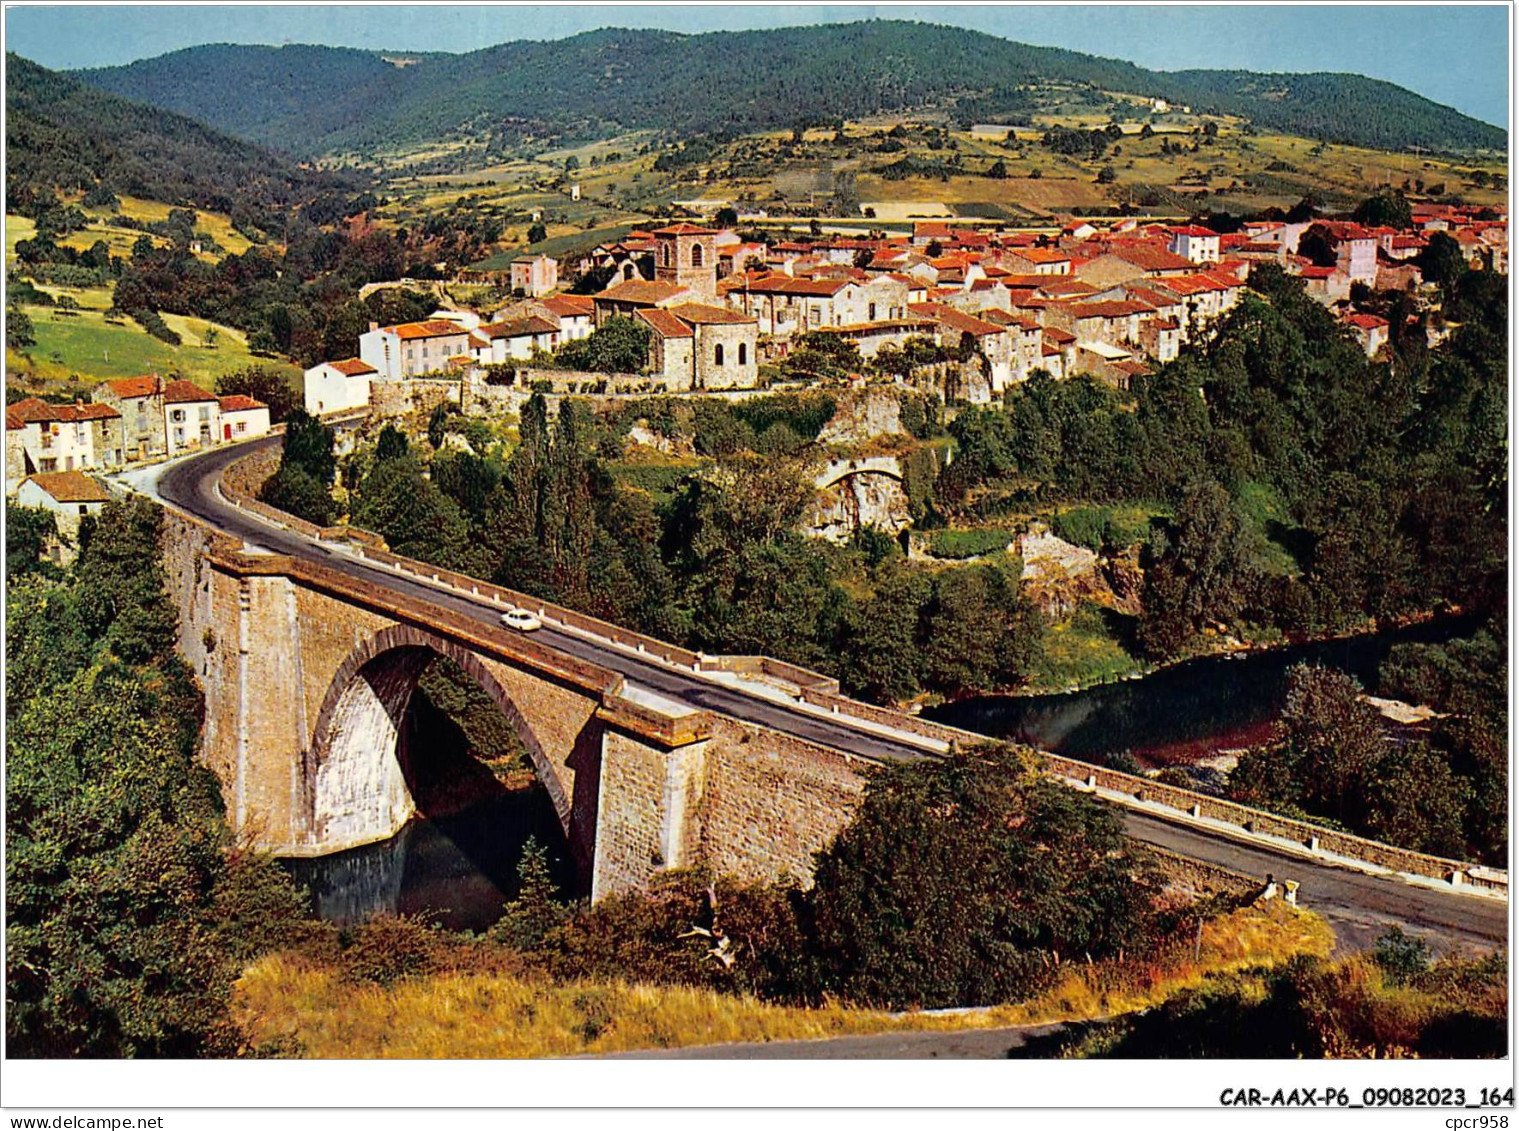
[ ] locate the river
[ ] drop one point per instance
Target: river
(1185, 712)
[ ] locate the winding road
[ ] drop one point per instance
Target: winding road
(1360, 906)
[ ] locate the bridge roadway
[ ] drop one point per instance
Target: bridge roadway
(1359, 905)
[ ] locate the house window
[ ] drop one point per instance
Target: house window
(717, 354)
(872, 317)
(49, 464)
(743, 353)
(83, 509)
(242, 426)
(205, 414)
(696, 255)
(177, 416)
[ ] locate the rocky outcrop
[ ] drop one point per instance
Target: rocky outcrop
(864, 415)
(865, 498)
(1059, 575)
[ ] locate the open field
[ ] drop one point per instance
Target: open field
(83, 347)
(307, 1009)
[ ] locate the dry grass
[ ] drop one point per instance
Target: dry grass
(293, 1003)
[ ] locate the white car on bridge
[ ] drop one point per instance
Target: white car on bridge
(521, 620)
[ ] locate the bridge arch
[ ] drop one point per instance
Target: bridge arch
(355, 780)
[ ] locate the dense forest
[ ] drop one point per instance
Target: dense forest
(316, 100)
(64, 135)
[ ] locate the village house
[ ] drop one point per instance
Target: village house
(991, 340)
(242, 418)
(693, 346)
(412, 348)
(139, 400)
(575, 315)
(1123, 264)
(71, 496)
(625, 299)
(338, 386)
(1370, 330)
(1037, 261)
(871, 336)
(1200, 245)
(1057, 352)
(192, 417)
(517, 339)
(43, 437)
(535, 275)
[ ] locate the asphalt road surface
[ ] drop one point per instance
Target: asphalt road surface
(1359, 906)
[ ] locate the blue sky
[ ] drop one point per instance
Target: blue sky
(1454, 55)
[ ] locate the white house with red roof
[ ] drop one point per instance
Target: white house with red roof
(516, 339)
(338, 386)
(242, 418)
(70, 496)
(1370, 330)
(43, 437)
(575, 315)
(192, 417)
(413, 348)
(1196, 243)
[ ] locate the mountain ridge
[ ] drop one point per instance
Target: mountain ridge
(64, 134)
(312, 100)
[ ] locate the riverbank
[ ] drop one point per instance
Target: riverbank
(1185, 711)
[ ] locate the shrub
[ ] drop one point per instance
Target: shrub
(960, 544)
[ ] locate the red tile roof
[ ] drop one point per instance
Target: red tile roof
(352, 367)
(432, 328)
(699, 314)
(570, 306)
(665, 324)
(237, 402)
(1150, 258)
(684, 230)
(956, 319)
(519, 328)
(185, 392)
(642, 292)
(1113, 309)
(132, 387)
(70, 487)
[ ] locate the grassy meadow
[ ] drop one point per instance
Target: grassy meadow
(304, 1007)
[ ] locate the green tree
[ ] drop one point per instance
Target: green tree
(417, 520)
(28, 531)
(1193, 571)
(19, 334)
(618, 345)
(968, 880)
(309, 447)
(537, 233)
(128, 917)
(1386, 209)
(536, 910)
(262, 384)
(391, 445)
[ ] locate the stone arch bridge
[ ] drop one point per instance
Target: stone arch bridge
(309, 644)
(309, 667)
